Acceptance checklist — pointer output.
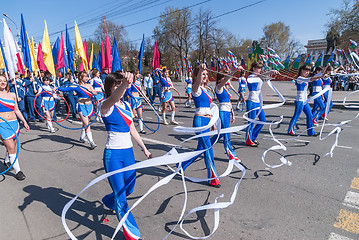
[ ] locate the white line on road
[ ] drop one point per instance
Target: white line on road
(352, 199)
(334, 236)
(344, 147)
(160, 142)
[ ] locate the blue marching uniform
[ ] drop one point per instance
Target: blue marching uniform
(118, 154)
(318, 106)
(87, 110)
(202, 100)
(97, 85)
(225, 109)
(72, 99)
(254, 84)
(189, 85)
(166, 93)
(20, 94)
(156, 88)
(38, 101)
(326, 84)
(302, 87)
(6, 131)
(135, 101)
(30, 97)
(242, 85)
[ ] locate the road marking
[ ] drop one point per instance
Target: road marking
(339, 146)
(334, 236)
(355, 183)
(348, 221)
(158, 142)
(352, 199)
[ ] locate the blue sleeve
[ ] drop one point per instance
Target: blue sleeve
(68, 88)
(128, 92)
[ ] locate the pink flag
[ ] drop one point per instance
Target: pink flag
(19, 65)
(156, 57)
(40, 59)
(108, 54)
(86, 53)
(60, 56)
(102, 56)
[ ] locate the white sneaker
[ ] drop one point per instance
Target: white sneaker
(174, 122)
(83, 140)
(52, 130)
(93, 145)
(165, 122)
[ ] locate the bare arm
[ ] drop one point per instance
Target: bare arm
(117, 94)
(19, 114)
(199, 78)
(139, 141)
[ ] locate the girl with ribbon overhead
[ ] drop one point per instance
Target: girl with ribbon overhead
(9, 126)
(226, 113)
(202, 100)
(318, 106)
(85, 107)
(327, 81)
(118, 153)
(301, 103)
(167, 97)
(255, 101)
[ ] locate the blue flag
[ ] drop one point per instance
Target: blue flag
(99, 61)
(25, 45)
(140, 53)
(70, 53)
(55, 50)
(116, 60)
(66, 64)
(95, 62)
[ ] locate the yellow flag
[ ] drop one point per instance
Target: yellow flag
(46, 49)
(2, 61)
(32, 54)
(80, 47)
(91, 57)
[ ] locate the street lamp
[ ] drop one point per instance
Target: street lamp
(18, 33)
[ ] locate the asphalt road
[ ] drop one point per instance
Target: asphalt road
(314, 198)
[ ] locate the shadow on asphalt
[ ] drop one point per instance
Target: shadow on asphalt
(82, 212)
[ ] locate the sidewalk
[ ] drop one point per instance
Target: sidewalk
(286, 88)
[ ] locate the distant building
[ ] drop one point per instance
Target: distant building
(316, 47)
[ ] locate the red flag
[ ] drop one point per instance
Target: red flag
(87, 54)
(60, 56)
(156, 57)
(108, 54)
(40, 59)
(19, 65)
(102, 56)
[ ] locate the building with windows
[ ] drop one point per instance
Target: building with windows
(316, 47)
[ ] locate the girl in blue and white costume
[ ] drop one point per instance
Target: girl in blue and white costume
(118, 153)
(9, 111)
(302, 87)
(242, 84)
(167, 97)
(85, 107)
(318, 106)
(254, 83)
(133, 92)
(189, 90)
(326, 84)
(202, 100)
(226, 113)
(48, 102)
(97, 85)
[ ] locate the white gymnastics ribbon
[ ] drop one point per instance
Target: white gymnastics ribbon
(345, 99)
(215, 117)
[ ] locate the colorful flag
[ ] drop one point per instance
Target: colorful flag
(80, 47)
(46, 49)
(116, 61)
(40, 58)
(243, 64)
(330, 59)
(108, 53)
(95, 61)
(286, 62)
(319, 60)
(10, 50)
(70, 53)
(91, 57)
(55, 50)
(25, 45)
(352, 44)
(60, 61)
(87, 54)
(32, 54)
(309, 59)
(156, 57)
(19, 64)
(140, 53)
(99, 64)
(103, 62)
(270, 50)
(296, 62)
(3, 64)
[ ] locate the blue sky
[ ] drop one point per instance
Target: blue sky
(305, 18)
